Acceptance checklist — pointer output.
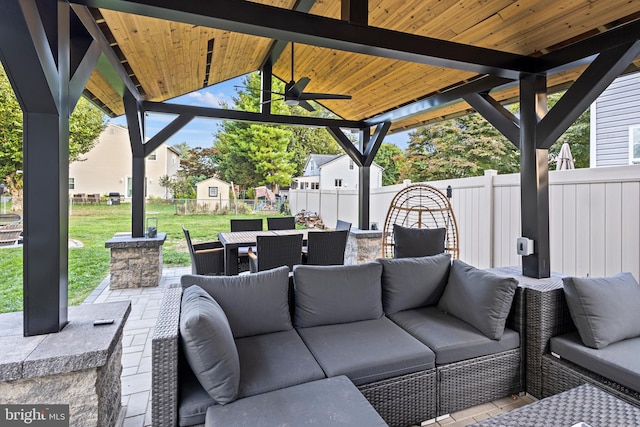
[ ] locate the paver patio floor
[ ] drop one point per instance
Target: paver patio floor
(136, 355)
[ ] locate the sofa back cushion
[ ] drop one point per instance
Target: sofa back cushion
(409, 283)
(254, 303)
(415, 242)
(480, 298)
(208, 345)
(605, 309)
(326, 295)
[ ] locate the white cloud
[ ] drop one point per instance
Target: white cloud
(210, 99)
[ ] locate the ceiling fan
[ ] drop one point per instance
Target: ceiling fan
(294, 93)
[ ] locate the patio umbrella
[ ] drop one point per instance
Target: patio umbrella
(565, 159)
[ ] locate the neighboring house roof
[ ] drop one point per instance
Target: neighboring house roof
(321, 159)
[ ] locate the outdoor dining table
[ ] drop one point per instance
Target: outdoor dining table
(232, 240)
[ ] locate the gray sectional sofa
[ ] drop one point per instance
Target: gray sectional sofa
(418, 337)
(592, 331)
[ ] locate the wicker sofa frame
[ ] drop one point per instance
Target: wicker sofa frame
(400, 401)
(546, 374)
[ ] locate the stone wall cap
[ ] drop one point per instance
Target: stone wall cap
(80, 344)
(365, 234)
(124, 240)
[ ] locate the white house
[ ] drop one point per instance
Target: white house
(214, 193)
(107, 167)
(324, 171)
(615, 123)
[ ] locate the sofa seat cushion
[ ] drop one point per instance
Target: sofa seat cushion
(273, 361)
(367, 351)
(328, 402)
(619, 362)
(267, 362)
(451, 339)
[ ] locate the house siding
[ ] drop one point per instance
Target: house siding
(616, 109)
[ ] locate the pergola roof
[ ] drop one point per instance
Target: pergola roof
(180, 47)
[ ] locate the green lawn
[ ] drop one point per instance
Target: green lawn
(93, 226)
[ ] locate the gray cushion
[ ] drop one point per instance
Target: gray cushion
(618, 361)
(606, 309)
(416, 242)
(413, 282)
(367, 351)
(450, 338)
(208, 345)
(254, 303)
(267, 362)
(326, 295)
(480, 298)
(328, 402)
(273, 361)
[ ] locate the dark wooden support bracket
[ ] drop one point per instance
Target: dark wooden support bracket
(371, 149)
(166, 133)
(80, 75)
(355, 11)
(346, 144)
(501, 118)
(584, 91)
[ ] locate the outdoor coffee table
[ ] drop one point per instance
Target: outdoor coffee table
(584, 404)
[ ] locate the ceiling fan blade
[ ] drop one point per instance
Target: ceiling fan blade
(312, 96)
(306, 106)
(299, 86)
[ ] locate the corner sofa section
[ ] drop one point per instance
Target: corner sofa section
(379, 324)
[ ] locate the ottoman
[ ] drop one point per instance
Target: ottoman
(328, 402)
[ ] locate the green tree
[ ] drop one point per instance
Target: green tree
(388, 156)
(252, 154)
(85, 125)
(578, 136)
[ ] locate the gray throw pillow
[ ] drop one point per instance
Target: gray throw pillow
(208, 345)
(605, 309)
(416, 242)
(480, 298)
(254, 303)
(413, 282)
(326, 295)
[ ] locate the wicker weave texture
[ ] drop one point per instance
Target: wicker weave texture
(404, 400)
(164, 361)
(585, 404)
(420, 206)
(479, 380)
(561, 375)
(327, 247)
(276, 251)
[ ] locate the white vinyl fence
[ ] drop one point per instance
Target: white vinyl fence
(594, 217)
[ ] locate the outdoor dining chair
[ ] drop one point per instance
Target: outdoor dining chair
(276, 251)
(206, 258)
(326, 248)
(281, 223)
(343, 225)
(245, 224)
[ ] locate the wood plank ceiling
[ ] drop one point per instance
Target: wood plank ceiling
(170, 59)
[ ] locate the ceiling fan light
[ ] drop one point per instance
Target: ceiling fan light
(291, 102)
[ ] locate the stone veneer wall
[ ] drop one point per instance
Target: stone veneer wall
(93, 395)
(363, 246)
(135, 262)
(79, 366)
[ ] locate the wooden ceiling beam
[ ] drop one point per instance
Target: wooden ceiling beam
(283, 24)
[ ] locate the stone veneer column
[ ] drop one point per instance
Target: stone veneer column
(79, 366)
(135, 262)
(363, 246)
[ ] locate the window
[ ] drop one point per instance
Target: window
(213, 191)
(634, 144)
(315, 185)
(72, 183)
(350, 165)
(338, 182)
(152, 156)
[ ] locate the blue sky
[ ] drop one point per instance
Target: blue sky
(199, 132)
